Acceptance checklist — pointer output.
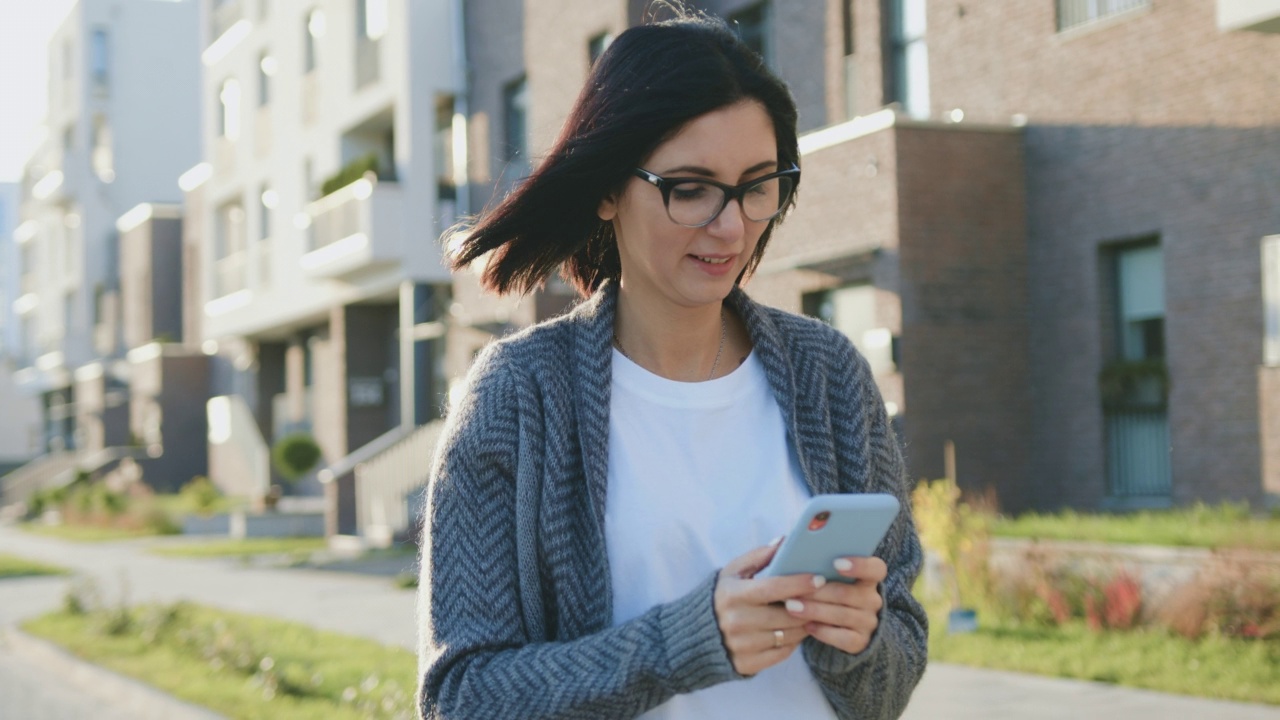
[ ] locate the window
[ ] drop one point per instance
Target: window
(313, 32)
(269, 199)
(908, 67)
(852, 311)
(1271, 299)
(848, 67)
(98, 57)
(102, 157)
(229, 102)
(371, 19)
(515, 148)
(1075, 13)
(266, 69)
(596, 47)
(1140, 274)
(752, 25)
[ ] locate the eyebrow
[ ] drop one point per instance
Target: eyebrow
(705, 172)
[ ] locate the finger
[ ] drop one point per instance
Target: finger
(763, 591)
(752, 562)
(850, 641)
(840, 616)
(745, 621)
(863, 596)
(869, 569)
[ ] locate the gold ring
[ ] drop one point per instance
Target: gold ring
(777, 638)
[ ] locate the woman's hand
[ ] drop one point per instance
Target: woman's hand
(843, 615)
(757, 630)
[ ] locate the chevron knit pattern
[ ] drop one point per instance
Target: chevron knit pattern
(515, 603)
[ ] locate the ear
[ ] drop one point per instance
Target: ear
(608, 208)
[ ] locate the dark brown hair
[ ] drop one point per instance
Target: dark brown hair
(651, 81)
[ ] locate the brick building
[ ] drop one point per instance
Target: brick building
(1041, 221)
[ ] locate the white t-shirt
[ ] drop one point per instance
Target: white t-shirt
(700, 473)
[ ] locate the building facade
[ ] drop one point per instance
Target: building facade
(121, 126)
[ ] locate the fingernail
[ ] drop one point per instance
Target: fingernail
(776, 541)
(819, 581)
(844, 564)
(795, 606)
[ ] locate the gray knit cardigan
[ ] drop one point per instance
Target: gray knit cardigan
(515, 605)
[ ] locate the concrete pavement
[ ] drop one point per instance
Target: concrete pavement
(373, 607)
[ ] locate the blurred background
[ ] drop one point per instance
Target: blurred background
(1051, 226)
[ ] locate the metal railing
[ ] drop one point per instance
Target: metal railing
(1075, 13)
(230, 274)
(389, 484)
(39, 474)
(1138, 454)
(225, 14)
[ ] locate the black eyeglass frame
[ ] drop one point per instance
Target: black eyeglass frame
(731, 192)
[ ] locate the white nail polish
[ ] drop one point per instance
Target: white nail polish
(819, 581)
(776, 541)
(795, 606)
(843, 564)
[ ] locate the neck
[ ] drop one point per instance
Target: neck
(677, 343)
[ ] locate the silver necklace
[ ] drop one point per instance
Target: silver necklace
(724, 327)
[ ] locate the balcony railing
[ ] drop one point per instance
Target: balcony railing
(230, 274)
(1076, 13)
(354, 228)
(226, 13)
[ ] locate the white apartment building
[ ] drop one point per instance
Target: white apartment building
(20, 421)
(121, 126)
(306, 283)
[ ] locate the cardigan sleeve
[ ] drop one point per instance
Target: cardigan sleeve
(476, 656)
(877, 682)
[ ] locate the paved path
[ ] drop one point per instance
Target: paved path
(373, 607)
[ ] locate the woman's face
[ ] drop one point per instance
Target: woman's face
(684, 266)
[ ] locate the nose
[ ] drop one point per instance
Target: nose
(730, 223)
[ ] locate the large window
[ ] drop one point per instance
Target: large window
(311, 35)
(1075, 13)
(1271, 299)
(1140, 272)
(515, 120)
(753, 26)
(596, 47)
(852, 311)
(907, 81)
(99, 58)
(267, 66)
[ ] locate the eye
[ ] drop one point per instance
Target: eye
(688, 191)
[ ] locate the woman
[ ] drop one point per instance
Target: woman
(597, 491)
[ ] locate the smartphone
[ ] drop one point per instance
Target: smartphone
(833, 526)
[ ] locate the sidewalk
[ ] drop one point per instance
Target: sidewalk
(373, 607)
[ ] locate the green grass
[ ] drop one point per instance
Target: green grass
(11, 567)
(1223, 526)
(320, 666)
(85, 533)
(1214, 667)
(243, 548)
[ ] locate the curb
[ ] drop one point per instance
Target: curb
(117, 691)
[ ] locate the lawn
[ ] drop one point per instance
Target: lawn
(240, 665)
(11, 567)
(1222, 526)
(86, 533)
(1213, 667)
(298, 547)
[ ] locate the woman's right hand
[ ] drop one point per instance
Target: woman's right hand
(749, 611)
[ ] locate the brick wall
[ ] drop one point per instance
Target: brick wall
(1209, 194)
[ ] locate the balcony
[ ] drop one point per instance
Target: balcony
(1255, 15)
(355, 229)
(226, 13)
(230, 274)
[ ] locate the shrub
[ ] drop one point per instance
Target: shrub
(959, 533)
(350, 173)
(200, 495)
(295, 455)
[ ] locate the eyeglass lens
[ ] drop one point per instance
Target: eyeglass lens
(696, 203)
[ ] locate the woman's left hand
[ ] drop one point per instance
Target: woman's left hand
(845, 615)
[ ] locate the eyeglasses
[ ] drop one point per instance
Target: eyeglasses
(695, 202)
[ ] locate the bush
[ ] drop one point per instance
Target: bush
(1231, 599)
(959, 533)
(350, 173)
(295, 455)
(200, 495)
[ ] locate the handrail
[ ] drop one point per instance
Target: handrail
(364, 453)
(384, 484)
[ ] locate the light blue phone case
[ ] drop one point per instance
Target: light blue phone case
(854, 529)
